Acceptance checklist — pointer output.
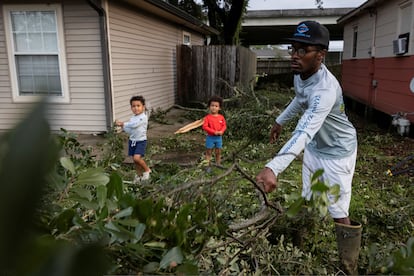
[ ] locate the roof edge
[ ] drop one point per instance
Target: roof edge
(180, 16)
(357, 11)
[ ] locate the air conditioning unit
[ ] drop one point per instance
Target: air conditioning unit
(400, 46)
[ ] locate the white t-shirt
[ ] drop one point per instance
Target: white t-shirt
(323, 129)
(136, 127)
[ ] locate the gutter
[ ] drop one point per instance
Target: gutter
(173, 14)
(365, 7)
(97, 6)
(182, 14)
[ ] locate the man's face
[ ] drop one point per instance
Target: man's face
(305, 59)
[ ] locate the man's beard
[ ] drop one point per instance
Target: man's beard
(296, 72)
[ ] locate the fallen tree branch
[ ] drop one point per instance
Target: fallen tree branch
(264, 211)
(202, 181)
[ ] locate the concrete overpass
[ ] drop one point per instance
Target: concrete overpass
(272, 27)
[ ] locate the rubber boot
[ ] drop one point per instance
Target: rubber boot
(348, 238)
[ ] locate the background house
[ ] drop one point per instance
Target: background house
(89, 57)
(378, 62)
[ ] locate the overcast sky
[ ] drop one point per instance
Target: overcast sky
(301, 4)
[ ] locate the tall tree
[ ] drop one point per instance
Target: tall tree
(226, 16)
(191, 7)
(223, 15)
(319, 4)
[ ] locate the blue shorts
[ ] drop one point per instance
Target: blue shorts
(137, 147)
(214, 142)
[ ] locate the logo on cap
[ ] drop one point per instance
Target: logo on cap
(301, 30)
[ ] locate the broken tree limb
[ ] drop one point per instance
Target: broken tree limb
(202, 181)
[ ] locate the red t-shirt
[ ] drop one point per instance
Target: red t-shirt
(213, 123)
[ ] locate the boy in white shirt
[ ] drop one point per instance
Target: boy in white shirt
(136, 127)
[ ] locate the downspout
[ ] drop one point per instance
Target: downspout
(374, 82)
(97, 6)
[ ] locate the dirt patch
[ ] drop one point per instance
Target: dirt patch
(157, 133)
(174, 120)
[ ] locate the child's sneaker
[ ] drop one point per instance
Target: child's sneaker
(146, 175)
(137, 179)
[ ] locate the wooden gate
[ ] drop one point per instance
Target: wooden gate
(203, 71)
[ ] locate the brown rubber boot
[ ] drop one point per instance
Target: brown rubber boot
(348, 238)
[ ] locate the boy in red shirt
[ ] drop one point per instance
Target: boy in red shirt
(215, 125)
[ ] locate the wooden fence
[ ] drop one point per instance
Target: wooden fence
(203, 71)
(273, 66)
(277, 66)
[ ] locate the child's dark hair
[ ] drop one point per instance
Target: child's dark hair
(216, 99)
(137, 98)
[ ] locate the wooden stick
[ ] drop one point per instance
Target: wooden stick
(190, 126)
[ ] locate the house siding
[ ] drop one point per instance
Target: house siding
(378, 65)
(143, 58)
(86, 110)
(10, 113)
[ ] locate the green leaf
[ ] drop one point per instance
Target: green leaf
(128, 222)
(174, 255)
(319, 187)
(156, 244)
(83, 193)
(90, 205)
(188, 269)
(145, 209)
(111, 226)
(151, 267)
(115, 186)
(334, 190)
(118, 232)
(295, 207)
(101, 195)
(103, 214)
(124, 213)
(410, 246)
(139, 231)
(68, 164)
(317, 175)
(92, 177)
(323, 210)
(27, 155)
(64, 221)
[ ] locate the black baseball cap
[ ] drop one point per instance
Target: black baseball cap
(311, 32)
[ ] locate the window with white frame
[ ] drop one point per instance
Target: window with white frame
(37, 62)
(186, 38)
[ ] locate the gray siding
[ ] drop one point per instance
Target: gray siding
(86, 110)
(387, 30)
(143, 56)
(10, 113)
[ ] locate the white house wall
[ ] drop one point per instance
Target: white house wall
(85, 111)
(385, 32)
(10, 113)
(143, 58)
